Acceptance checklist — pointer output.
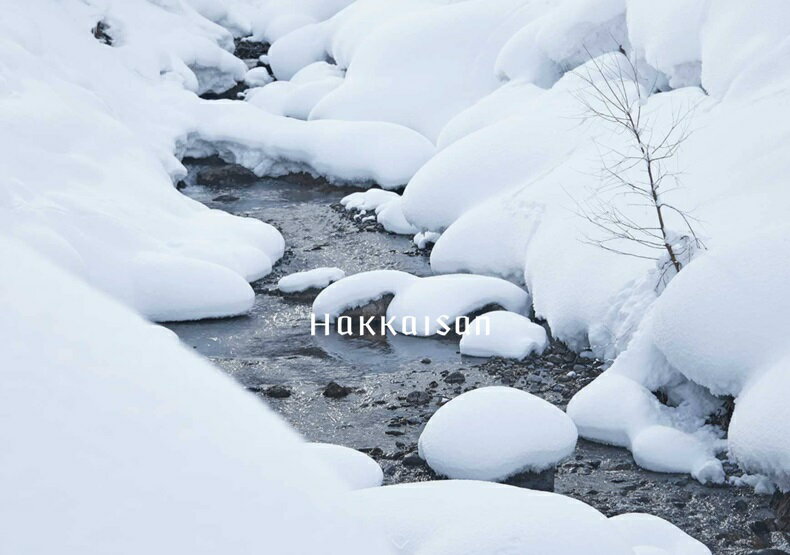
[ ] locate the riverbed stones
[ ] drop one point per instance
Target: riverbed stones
(418, 398)
(334, 390)
(277, 392)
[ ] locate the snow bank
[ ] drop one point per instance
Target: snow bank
(445, 517)
(317, 278)
(493, 433)
(440, 68)
(355, 468)
(87, 137)
(296, 98)
(116, 448)
(667, 36)
(344, 152)
(650, 534)
(503, 334)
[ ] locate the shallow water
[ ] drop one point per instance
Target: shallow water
(277, 330)
(273, 345)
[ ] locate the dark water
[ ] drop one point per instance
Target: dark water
(277, 330)
(273, 345)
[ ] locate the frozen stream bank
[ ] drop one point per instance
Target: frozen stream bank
(273, 346)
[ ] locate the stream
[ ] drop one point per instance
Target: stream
(391, 386)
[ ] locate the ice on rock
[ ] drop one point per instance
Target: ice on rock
(480, 518)
(119, 448)
(503, 334)
(493, 433)
(355, 468)
(317, 278)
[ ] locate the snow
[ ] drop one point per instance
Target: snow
(387, 206)
(667, 36)
(355, 468)
(368, 200)
(503, 334)
(296, 98)
(493, 433)
(424, 238)
(652, 535)
(420, 305)
(358, 290)
(317, 278)
(257, 77)
(474, 106)
(117, 448)
(479, 518)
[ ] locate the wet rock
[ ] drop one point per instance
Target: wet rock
(225, 175)
(225, 198)
(768, 552)
(336, 391)
(101, 32)
(542, 481)
(741, 506)
(277, 392)
(418, 398)
(426, 361)
(249, 49)
(413, 460)
(455, 378)
(232, 93)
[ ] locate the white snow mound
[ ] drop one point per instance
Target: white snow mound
(356, 469)
(503, 334)
(480, 518)
(317, 278)
(492, 433)
(421, 306)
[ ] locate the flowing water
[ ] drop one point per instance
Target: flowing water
(273, 346)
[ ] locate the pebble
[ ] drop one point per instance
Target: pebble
(455, 377)
(277, 392)
(336, 391)
(418, 398)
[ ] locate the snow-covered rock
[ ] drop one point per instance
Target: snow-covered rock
(257, 77)
(503, 334)
(493, 433)
(355, 468)
(317, 278)
(649, 534)
(480, 518)
(118, 439)
(421, 306)
(425, 238)
(387, 206)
